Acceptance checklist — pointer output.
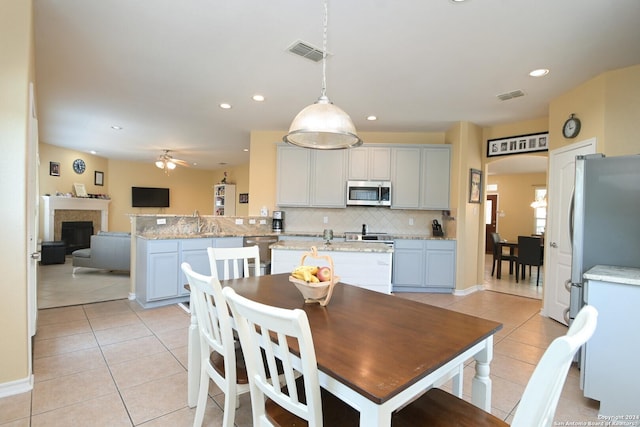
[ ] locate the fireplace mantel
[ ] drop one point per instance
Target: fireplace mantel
(53, 203)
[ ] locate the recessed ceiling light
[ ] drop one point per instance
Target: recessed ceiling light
(93, 152)
(225, 106)
(245, 149)
(258, 98)
(115, 127)
(372, 118)
(539, 72)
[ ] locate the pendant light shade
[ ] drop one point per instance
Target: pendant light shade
(322, 125)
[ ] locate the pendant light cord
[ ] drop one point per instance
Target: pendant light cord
(324, 49)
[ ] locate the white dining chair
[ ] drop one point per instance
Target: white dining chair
(236, 262)
(220, 359)
(298, 399)
(539, 400)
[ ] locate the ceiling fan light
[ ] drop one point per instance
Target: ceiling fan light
(160, 164)
(323, 126)
(171, 165)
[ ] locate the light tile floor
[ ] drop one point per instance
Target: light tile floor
(116, 364)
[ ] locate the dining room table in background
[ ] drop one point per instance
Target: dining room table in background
(376, 352)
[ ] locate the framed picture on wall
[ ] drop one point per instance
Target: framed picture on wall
(243, 198)
(98, 178)
(475, 186)
(54, 168)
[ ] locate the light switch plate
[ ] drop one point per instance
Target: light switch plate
(161, 221)
(239, 221)
(252, 221)
(263, 222)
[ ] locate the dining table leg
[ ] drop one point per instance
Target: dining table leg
(193, 359)
(481, 384)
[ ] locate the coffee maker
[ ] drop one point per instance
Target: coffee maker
(278, 221)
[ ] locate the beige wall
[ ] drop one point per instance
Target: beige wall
(16, 72)
(191, 189)
(515, 194)
(609, 110)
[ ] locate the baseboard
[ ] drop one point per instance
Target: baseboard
(468, 291)
(16, 387)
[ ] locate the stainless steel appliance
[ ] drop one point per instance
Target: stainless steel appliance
(278, 221)
(368, 193)
(368, 238)
(605, 226)
(263, 243)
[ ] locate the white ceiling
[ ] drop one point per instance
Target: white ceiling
(160, 68)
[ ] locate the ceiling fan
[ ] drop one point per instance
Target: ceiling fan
(167, 162)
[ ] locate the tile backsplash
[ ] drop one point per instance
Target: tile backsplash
(378, 220)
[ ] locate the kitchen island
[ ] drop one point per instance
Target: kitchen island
(364, 265)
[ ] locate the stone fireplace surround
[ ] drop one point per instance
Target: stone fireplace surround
(59, 209)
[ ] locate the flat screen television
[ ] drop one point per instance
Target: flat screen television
(147, 197)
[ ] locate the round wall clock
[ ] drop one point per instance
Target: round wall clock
(79, 166)
(571, 127)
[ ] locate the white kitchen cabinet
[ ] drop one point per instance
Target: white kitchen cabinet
(159, 278)
(424, 266)
(420, 177)
(224, 200)
(368, 270)
(405, 179)
(435, 182)
(293, 176)
(157, 271)
(369, 163)
(610, 367)
(311, 178)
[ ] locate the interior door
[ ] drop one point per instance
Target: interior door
(491, 208)
(33, 209)
(557, 236)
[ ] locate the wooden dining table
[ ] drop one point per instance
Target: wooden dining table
(374, 351)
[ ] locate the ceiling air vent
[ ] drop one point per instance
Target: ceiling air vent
(510, 95)
(305, 50)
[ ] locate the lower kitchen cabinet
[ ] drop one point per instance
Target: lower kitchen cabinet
(424, 266)
(368, 270)
(610, 369)
(159, 278)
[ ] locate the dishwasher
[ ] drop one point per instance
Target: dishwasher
(263, 243)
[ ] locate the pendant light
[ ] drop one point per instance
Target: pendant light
(322, 125)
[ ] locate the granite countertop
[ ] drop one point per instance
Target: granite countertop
(168, 236)
(305, 245)
(614, 274)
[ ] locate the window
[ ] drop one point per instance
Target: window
(539, 211)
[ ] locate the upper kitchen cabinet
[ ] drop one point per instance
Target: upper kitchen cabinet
(369, 164)
(435, 182)
(405, 179)
(420, 177)
(311, 178)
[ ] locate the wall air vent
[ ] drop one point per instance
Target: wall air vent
(305, 50)
(510, 95)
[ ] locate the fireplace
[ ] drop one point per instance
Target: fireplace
(60, 209)
(76, 235)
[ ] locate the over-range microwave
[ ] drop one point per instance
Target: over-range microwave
(368, 193)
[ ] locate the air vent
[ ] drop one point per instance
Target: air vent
(509, 95)
(305, 50)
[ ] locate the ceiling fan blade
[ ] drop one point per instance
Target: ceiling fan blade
(180, 162)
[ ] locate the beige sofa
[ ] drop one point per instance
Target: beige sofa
(108, 251)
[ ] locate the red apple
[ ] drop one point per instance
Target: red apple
(324, 274)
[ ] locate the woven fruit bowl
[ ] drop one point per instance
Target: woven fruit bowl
(316, 292)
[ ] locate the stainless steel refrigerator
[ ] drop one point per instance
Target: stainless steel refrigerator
(605, 226)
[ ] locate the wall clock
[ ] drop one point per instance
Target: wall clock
(79, 166)
(571, 127)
